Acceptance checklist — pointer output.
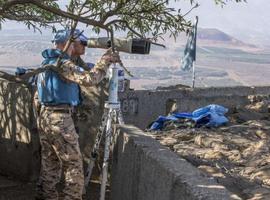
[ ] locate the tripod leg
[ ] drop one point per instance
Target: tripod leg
(120, 117)
(94, 152)
(106, 155)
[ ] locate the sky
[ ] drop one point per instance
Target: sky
(245, 21)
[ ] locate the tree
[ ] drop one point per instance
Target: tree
(141, 18)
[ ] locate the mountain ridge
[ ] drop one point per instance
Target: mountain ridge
(218, 36)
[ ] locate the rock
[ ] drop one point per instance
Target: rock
(211, 171)
(168, 141)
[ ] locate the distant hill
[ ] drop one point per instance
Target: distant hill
(212, 35)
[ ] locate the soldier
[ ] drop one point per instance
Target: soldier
(82, 114)
(79, 50)
(59, 93)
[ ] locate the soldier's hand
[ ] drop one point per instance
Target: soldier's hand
(111, 57)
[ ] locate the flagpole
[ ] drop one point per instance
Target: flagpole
(193, 62)
(193, 74)
(189, 58)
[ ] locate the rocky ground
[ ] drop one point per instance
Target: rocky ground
(237, 155)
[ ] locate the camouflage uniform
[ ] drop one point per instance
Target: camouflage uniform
(59, 141)
(79, 61)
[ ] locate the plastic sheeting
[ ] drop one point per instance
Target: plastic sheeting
(210, 116)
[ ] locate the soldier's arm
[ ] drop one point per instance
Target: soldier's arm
(73, 73)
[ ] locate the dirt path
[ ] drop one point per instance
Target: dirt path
(11, 189)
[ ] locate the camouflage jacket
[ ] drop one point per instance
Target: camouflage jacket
(71, 70)
(79, 61)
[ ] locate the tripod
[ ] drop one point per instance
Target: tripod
(112, 115)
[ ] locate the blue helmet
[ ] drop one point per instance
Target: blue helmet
(63, 35)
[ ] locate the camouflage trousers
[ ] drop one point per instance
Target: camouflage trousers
(60, 154)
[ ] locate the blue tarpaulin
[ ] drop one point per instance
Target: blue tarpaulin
(210, 116)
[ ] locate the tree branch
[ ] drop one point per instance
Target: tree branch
(14, 16)
(25, 77)
(53, 10)
(195, 6)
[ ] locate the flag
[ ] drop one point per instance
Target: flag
(190, 49)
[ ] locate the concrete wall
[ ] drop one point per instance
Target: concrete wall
(19, 140)
(140, 108)
(142, 169)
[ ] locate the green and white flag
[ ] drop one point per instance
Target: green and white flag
(190, 50)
